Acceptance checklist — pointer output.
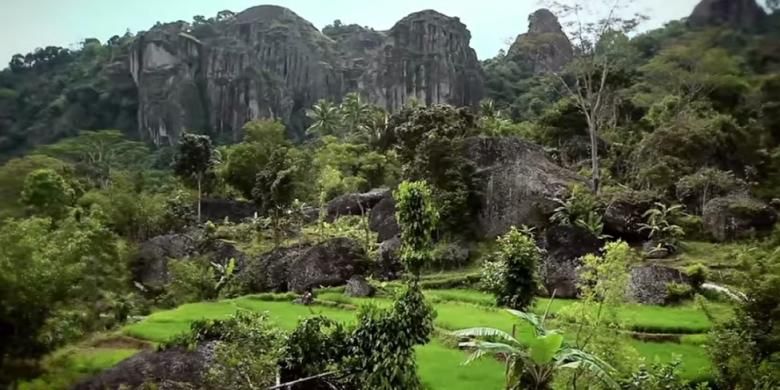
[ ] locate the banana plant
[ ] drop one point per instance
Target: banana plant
(533, 365)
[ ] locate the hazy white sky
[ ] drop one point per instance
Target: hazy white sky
(27, 24)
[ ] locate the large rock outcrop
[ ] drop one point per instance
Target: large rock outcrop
(545, 47)
(739, 14)
(736, 217)
(520, 183)
(170, 369)
(306, 266)
(648, 284)
(356, 203)
(268, 62)
(565, 246)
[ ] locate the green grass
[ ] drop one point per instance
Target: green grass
(451, 315)
(441, 367)
(69, 365)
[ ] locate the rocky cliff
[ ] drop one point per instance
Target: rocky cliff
(740, 14)
(545, 47)
(268, 62)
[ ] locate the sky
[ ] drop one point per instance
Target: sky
(27, 24)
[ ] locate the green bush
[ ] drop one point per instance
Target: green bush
(191, 280)
(678, 292)
(697, 275)
(448, 255)
(521, 257)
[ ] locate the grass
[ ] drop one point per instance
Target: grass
(69, 365)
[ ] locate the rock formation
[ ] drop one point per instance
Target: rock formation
(306, 266)
(268, 62)
(737, 217)
(521, 183)
(565, 247)
(739, 14)
(545, 47)
(648, 283)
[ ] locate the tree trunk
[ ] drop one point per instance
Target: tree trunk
(594, 157)
(200, 180)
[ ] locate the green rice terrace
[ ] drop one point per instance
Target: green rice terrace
(658, 333)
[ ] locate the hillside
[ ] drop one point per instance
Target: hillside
(247, 202)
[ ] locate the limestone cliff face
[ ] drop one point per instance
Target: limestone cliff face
(740, 14)
(268, 62)
(545, 47)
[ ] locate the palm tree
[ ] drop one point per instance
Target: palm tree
(355, 113)
(534, 365)
(326, 117)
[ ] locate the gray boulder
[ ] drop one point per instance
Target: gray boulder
(565, 246)
(217, 210)
(357, 286)
(382, 219)
(150, 267)
(171, 369)
(388, 264)
(624, 214)
(737, 217)
(355, 204)
(520, 183)
(306, 266)
(648, 283)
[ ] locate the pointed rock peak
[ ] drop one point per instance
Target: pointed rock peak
(543, 21)
(740, 14)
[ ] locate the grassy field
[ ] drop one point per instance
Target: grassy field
(456, 309)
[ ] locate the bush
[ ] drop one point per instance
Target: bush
(191, 280)
(697, 274)
(492, 276)
(448, 255)
(519, 254)
(678, 292)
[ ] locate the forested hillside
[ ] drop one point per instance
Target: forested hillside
(246, 202)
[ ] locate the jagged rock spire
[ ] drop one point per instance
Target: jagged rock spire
(545, 47)
(739, 14)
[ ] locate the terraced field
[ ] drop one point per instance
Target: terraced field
(684, 326)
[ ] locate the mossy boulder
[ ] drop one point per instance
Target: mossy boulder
(737, 217)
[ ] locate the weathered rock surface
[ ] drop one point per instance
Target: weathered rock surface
(520, 183)
(739, 14)
(268, 62)
(388, 263)
(357, 286)
(565, 246)
(151, 264)
(648, 283)
(172, 369)
(737, 216)
(545, 47)
(355, 204)
(382, 219)
(217, 210)
(306, 266)
(624, 215)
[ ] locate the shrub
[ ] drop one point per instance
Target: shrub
(521, 258)
(448, 255)
(191, 280)
(697, 274)
(492, 276)
(678, 292)
(579, 206)
(417, 217)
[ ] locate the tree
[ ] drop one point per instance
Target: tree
(12, 178)
(355, 114)
(275, 187)
(599, 48)
(326, 118)
(46, 193)
(195, 157)
(533, 365)
(244, 160)
(100, 152)
(520, 258)
(417, 217)
(55, 281)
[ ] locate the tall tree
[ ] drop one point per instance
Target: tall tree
(417, 217)
(195, 157)
(275, 187)
(46, 193)
(326, 118)
(355, 114)
(597, 38)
